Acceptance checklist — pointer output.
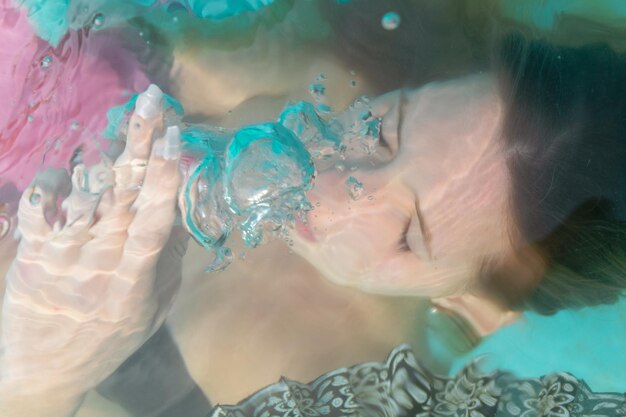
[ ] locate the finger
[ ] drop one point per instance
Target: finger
(32, 226)
(146, 119)
(130, 167)
(65, 241)
(155, 206)
(38, 207)
(79, 206)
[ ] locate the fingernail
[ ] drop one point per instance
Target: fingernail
(78, 177)
(171, 147)
(149, 102)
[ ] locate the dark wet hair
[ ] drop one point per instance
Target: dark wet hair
(432, 41)
(564, 135)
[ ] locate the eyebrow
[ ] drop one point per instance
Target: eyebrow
(426, 235)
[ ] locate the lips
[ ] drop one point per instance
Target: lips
(304, 231)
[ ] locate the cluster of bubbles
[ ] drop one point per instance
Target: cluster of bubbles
(255, 179)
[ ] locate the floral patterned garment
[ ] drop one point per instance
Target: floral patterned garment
(401, 387)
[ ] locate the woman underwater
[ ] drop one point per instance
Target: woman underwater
(521, 200)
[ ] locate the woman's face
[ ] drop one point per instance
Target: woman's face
(433, 212)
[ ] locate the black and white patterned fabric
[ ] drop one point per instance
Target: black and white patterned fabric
(401, 387)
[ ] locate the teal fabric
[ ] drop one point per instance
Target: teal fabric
(590, 343)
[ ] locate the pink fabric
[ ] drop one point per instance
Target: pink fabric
(66, 102)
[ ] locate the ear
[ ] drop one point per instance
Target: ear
(513, 277)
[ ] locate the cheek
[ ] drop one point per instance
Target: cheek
(368, 230)
(377, 215)
(405, 274)
(357, 244)
(352, 238)
(468, 221)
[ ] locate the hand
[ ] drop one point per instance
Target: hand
(83, 295)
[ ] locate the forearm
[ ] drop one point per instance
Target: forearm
(33, 386)
(17, 399)
(36, 383)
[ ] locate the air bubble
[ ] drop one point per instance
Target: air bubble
(354, 187)
(46, 61)
(390, 21)
(35, 199)
(98, 21)
(317, 91)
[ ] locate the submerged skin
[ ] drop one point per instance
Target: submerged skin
(208, 352)
(396, 202)
(393, 181)
(399, 184)
(443, 160)
(89, 290)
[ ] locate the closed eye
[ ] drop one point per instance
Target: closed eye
(389, 139)
(403, 244)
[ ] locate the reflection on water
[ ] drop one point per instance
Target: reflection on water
(486, 170)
